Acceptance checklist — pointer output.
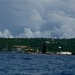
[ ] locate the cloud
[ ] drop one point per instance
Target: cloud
(26, 34)
(38, 18)
(29, 34)
(58, 24)
(6, 34)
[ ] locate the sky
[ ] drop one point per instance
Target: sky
(37, 18)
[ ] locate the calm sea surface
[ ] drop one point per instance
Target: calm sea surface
(36, 64)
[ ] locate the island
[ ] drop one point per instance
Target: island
(34, 45)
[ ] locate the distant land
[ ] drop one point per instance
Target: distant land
(34, 44)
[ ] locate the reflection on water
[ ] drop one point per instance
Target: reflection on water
(36, 64)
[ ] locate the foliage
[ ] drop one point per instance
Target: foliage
(35, 43)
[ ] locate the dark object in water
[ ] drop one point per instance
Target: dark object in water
(73, 53)
(43, 48)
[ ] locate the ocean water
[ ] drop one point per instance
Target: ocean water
(36, 64)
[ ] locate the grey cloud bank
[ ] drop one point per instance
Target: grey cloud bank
(37, 18)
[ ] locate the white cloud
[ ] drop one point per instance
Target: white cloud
(29, 34)
(6, 34)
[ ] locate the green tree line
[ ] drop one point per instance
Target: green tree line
(52, 45)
